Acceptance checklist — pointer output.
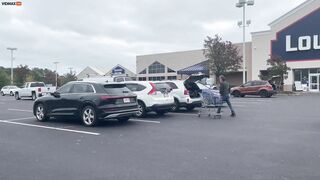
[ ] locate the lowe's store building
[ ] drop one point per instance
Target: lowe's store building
(295, 37)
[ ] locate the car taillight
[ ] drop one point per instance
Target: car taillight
(104, 98)
(39, 89)
(186, 92)
(153, 91)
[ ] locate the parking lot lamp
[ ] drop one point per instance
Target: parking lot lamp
(12, 49)
(56, 63)
(242, 4)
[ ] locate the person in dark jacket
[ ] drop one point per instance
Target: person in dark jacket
(225, 94)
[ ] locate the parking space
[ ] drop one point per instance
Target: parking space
(268, 139)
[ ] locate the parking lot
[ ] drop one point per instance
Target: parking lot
(270, 138)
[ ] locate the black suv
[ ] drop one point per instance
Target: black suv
(89, 101)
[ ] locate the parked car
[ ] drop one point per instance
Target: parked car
(107, 79)
(261, 88)
(33, 90)
(89, 101)
(152, 96)
(8, 90)
(186, 93)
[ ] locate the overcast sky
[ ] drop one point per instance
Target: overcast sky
(103, 33)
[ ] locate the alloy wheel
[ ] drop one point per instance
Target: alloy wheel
(88, 116)
(40, 112)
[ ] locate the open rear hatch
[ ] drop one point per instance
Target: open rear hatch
(192, 87)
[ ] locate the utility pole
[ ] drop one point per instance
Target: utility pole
(56, 63)
(12, 58)
(242, 4)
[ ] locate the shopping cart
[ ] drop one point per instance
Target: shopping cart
(210, 102)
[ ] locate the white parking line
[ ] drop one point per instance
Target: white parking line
(147, 121)
(10, 121)
(22, 110)
(18, 119)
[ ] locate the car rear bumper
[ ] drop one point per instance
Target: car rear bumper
(194, 103)
(116, 113)
(163, 107)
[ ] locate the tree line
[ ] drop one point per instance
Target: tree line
(23, 73)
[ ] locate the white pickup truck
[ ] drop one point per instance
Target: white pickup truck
(33, 90)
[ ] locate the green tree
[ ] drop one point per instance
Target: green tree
(277, 68)
(223, 56)
(67, 78)
(4, 78)
(20, 74)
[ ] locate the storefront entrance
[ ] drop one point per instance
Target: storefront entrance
(314, 82)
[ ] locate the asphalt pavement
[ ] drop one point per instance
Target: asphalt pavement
(270, 139)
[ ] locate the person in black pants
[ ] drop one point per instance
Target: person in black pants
(225, 94)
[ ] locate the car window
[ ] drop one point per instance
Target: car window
(161, 86)
(172, 85)
(116, 89)
(82, 88)
(65, 89)
(248, 84)
(37, 85)
(135, 87)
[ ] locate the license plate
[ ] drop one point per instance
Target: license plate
(126, 100)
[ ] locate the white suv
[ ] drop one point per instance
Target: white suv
(186, 93)
(151, 97)
(10, 90)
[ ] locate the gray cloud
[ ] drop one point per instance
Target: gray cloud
(104, 33)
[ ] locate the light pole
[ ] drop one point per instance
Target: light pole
(12, 49)
(56, 63)
(242, 4)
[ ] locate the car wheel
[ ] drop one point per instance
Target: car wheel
(242, 95)
(40, 113)
(89, 117)
(123, 119)
(176, 106)
(160, 112)
(16, 96)
(2, 94)
(34, 96)
(236, 93)
(11, 93)
(190, 108)
(141, 110)
(263, 93)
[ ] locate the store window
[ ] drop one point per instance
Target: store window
(172, 77)
(156, 67)
(143, 71)
(297, 75)
(170, 70)
(158, 78)
(142, 78)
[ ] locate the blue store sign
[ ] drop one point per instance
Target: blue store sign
(299, 41)
(118, 70)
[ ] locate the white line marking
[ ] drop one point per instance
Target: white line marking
(48, 127)
(22, 110)
(148, 121)
(190, 114)
(17, 119)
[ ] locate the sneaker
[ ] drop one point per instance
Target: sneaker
(233, 114)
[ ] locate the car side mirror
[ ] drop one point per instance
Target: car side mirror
(56, 94)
